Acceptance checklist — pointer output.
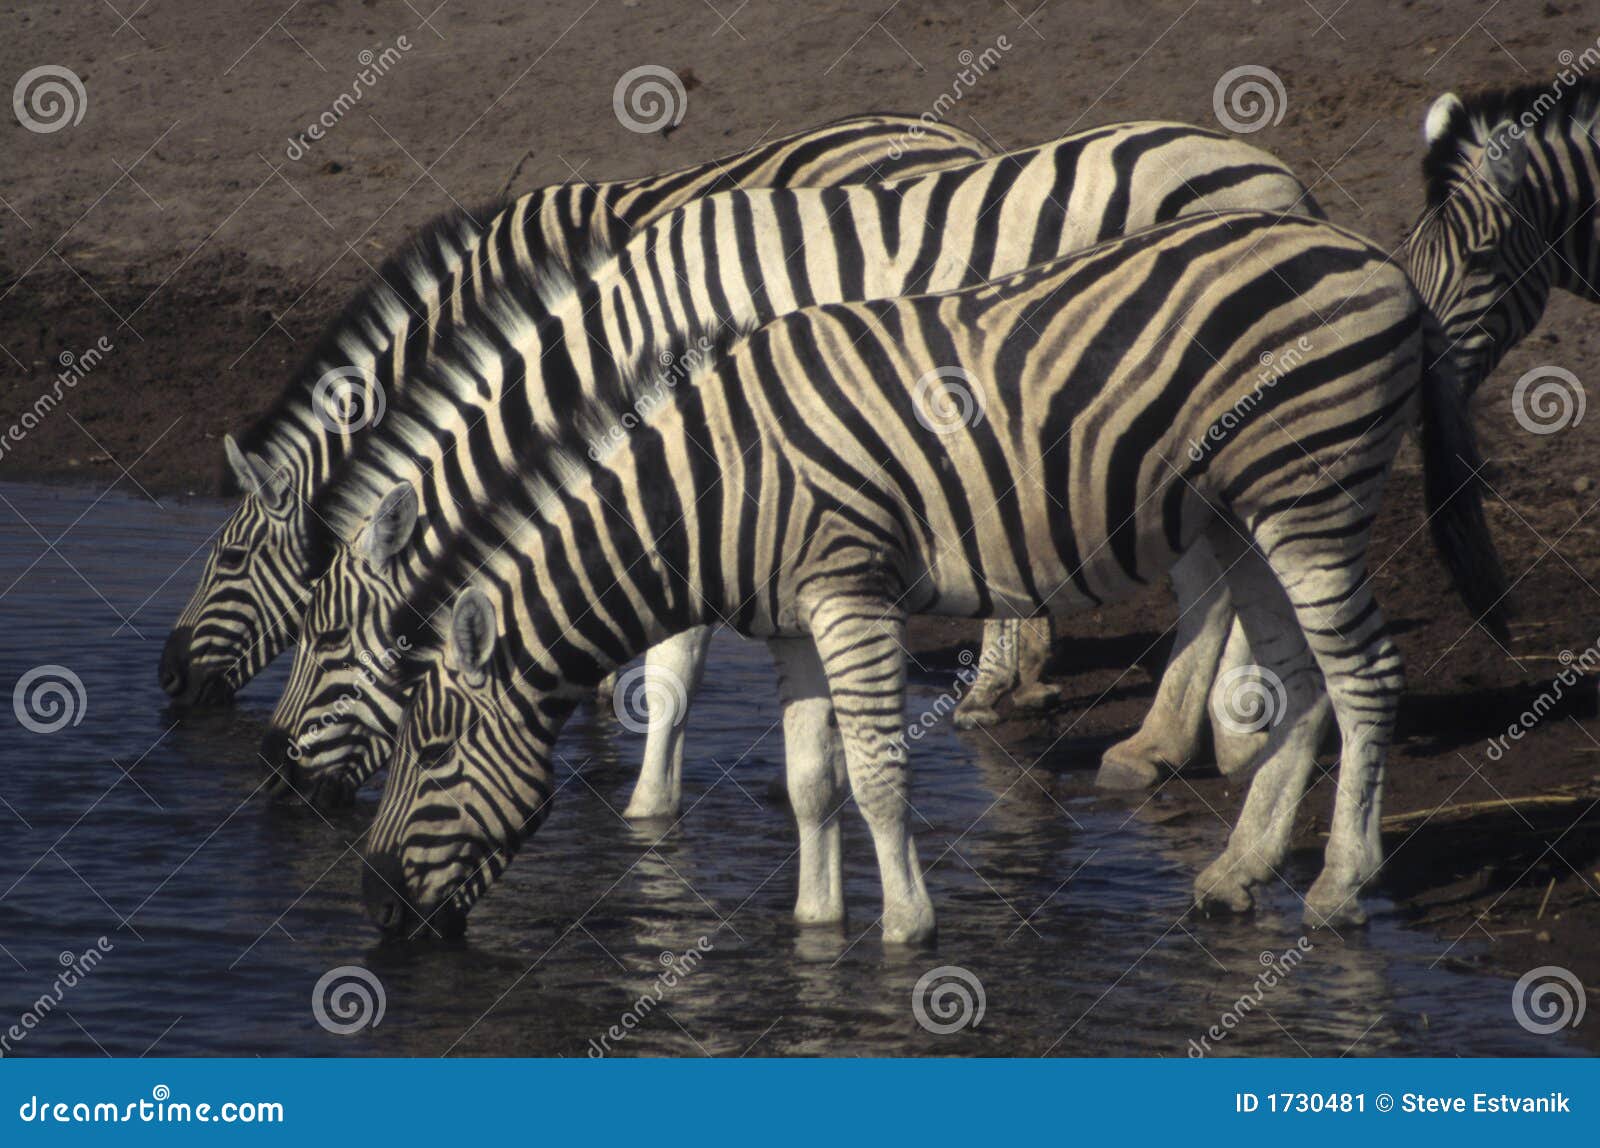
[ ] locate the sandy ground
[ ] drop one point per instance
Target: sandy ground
(172, 223)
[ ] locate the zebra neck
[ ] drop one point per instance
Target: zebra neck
(1564, 183)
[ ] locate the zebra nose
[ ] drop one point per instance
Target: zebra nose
(383, 884)
(175, 662)
(280, 764)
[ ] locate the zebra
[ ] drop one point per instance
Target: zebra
(805, 490)
(738, 257)
(247, 606)
(1512, 180)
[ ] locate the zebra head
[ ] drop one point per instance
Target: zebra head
(1478, 256)
(246, 609)
(338, 717)
(470, 780)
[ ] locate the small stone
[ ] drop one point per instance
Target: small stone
(1583, 485)
(1543, 936)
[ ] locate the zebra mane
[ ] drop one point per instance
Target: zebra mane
(503, 520)
(1540, 109)
(420, 264)
(522, 303)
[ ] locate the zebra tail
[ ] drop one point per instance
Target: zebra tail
(1454, 489)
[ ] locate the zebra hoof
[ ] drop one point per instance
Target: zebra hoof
(1222, 889)
(971, 717)
(1334, 904)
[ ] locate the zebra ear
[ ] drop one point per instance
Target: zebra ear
(1505, 157)
(391, 526)
(472, 630)
(1437, 125)
(257, 476)
(242, 474)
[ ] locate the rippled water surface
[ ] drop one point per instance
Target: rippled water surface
(222, 911)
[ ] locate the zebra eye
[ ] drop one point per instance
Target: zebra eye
(231, 560)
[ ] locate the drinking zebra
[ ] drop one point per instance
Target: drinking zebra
(1513, 206)
(736, 258)
(246, 609)
(799, 491)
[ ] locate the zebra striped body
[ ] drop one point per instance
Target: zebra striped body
(806, 489)
(1513, 187)
(246, 609)
(508, 383)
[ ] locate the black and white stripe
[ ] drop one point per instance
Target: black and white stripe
(808, 489)
(1513, 187)
(514, 377)
(246, 609)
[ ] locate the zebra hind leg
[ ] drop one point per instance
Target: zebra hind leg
(815, 771)
(1282, 696)
(860, 639)
(997, 673)
(1171, 736)
(663, 692)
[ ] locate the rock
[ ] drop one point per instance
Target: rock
(1543, 936)
(1582, 485)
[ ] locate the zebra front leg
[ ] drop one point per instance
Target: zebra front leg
(1292, 710)
(997, 673)
(861, 642)
(1174, 729)
(666, 686)
(815, 771)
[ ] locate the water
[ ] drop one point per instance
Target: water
(221, 911)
